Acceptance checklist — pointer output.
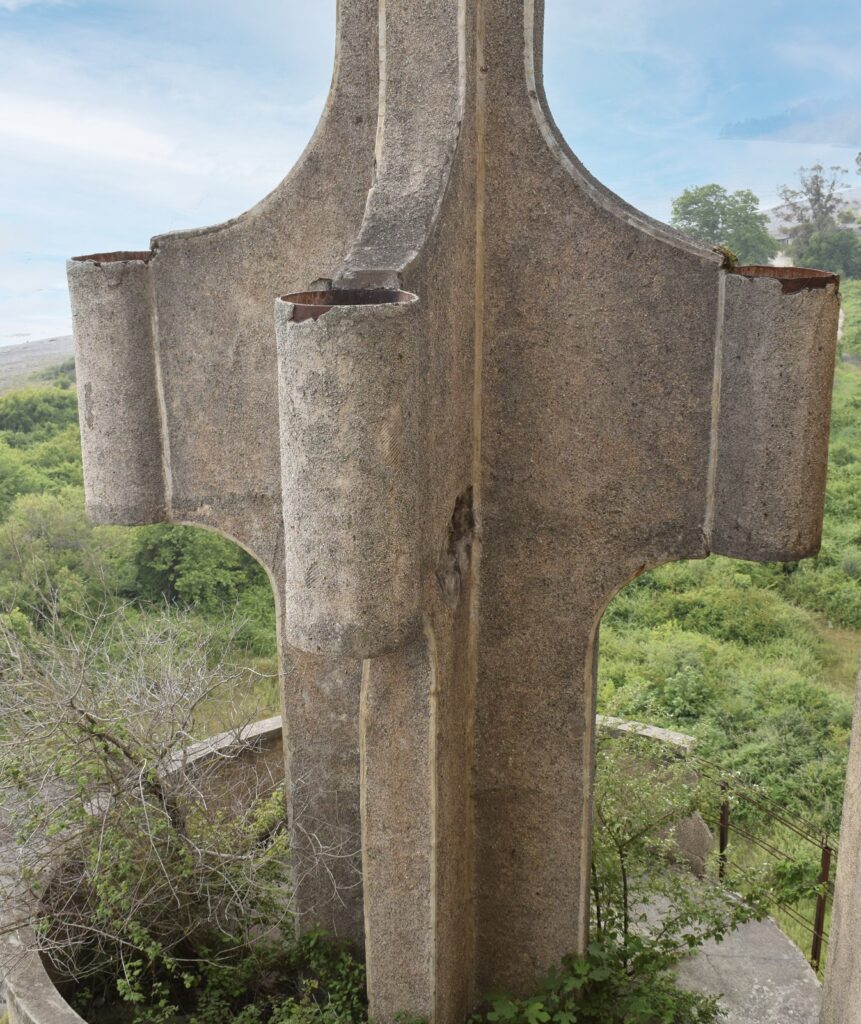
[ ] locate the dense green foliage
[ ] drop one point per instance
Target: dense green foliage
(599, 988)
(731, 221)
(737, 653)
(850, 292)
(706, 650)
(49, 551)
(836, 249)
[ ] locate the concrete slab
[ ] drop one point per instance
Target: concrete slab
(761, 975)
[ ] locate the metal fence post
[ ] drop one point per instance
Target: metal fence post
(821, 905)
(724, 831)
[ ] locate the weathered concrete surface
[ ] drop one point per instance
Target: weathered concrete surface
(321, 750)
(352, 433)
(778, 358)
(116, 369)
(564, 407)
(761, 976)
(842, 997)
(202, 445)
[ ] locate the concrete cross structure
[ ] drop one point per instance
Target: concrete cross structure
(491, 395)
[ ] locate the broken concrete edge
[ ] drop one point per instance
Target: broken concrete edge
(792, 279)
(682, 742)
(31, 995)
(311, 305)
(775, 349)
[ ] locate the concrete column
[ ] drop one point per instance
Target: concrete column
(841, 1002)
(321, 748)
(416, 826)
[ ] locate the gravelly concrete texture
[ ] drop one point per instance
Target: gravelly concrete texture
(577, 394)
(762, 977)
(842, 1003)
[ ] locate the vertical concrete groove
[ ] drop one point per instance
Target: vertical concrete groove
(166, 471)
(477, 408)
(381, 107)
(363, 790)
(433, 744)
(711, 479)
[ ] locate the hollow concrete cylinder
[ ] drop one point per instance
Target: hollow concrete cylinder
(351, 453)
(776, 356)
(121, 433)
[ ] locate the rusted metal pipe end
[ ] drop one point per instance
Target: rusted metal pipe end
(115, 257)
(312, 305)
(793, 279)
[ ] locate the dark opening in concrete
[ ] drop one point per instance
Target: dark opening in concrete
(793, 279)
(313, 305)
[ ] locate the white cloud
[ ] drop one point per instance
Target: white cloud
(156, 125)
(112, 131)
(841, 59)
(16, 5)
(56, 124)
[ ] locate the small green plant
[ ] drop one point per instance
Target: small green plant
(602, 987)
(648, 912)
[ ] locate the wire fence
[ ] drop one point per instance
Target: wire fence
(736, 793)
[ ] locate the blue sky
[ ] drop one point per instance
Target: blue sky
(120, 119)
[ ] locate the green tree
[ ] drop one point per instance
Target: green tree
(191, 566)
(731, 220)
(35, 414)
(835, 249)
(814, 204)
(52, 557)
(817, 217)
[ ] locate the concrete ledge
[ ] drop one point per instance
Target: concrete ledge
(761, 976)
(622, 727)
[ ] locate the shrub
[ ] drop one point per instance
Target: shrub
(647, 912)
(137, 862)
